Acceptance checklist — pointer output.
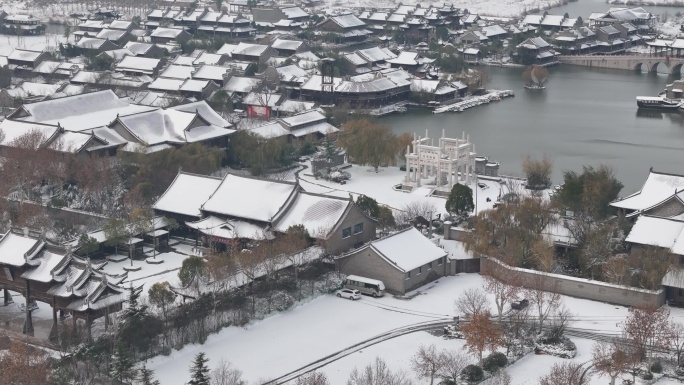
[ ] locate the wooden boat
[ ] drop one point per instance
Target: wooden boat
(657, 103)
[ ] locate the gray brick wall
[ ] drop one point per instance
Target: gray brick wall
(366, 263)
(336, 245)
(593, 290)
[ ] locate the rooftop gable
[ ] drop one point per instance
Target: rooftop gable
(407, 249)
(187, 193)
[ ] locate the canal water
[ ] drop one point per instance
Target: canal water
(584, 117)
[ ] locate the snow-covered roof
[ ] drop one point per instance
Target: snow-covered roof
(228, 229)
(24, 55)
(166, 84)
(533, 19)
(142, 64)
(303, 118)
(170, 126)
(26, 90)
(657, 188)
(210, 72)
(494, 30)
(317, 213)
(227, 49)
(205, 111)
(405, 58)
(347, 21)
(291, 72)
(240, 84)
(194, 85)
(249, 49)
(553, 20)
(655, 231)
(250, 198)
(175, 71)
(13, 130)
(187, 193)
(208, 58)
(376, 54)
(285, 44)
(14, 248)
(70, 141)
(120, 24)
(72, 106)
(294, 12)
(270, 130)
(111, 34)
(355, 59)
(609, 29)
(118, 54)
(138, 48)
(169, 33)
(407, 249)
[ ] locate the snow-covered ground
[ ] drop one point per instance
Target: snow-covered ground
(379, 186)
(287, 341)
(47, 42)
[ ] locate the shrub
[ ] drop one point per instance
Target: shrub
(472, 373)
(494, 362)
(657, 367)
(647, 376)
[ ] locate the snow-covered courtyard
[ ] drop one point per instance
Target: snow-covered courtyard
(287, 341)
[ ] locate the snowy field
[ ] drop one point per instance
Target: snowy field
(287, 341)
(47, 42)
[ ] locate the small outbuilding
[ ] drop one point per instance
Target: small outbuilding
(403, 261)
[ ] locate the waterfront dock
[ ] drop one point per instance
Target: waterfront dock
(397, 108)
(493, 95)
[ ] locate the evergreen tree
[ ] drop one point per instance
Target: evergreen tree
(199, 370)
(147, 377)
(368, 205)
(138, 326)
(122, 368)
(460, 201)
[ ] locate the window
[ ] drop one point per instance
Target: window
(358, 228)
(346, 233)
(420, 270)
(429, 265)
(681, 260)
(439, 261)
(408, 274)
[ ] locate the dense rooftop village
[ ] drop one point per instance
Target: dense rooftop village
(174, 179)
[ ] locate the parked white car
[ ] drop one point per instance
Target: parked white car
(349, 294)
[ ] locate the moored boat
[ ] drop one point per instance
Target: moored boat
(657, 102)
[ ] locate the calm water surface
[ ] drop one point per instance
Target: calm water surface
(584, 117)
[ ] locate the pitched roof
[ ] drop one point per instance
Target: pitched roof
(187, 193)
(655, 231)
(407, 250)
(317, 213)
(657, 188)
(250, 198)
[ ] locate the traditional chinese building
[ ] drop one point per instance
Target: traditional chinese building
(46, 272)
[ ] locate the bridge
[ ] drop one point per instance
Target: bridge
(627, 62)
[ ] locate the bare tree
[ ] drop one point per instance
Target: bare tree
(544, 301)
(611, 359)
(427, 362)
(416, 209)
(504, 291)
(538, 171)
(453, 363)
(647, 328)
(567, 373)
(377, 373)
(677, 340)
(313, 378)
(472, 301)
(482, 333)
(226, 374)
